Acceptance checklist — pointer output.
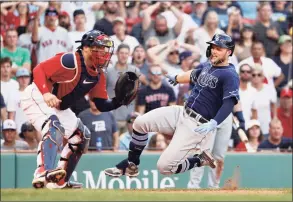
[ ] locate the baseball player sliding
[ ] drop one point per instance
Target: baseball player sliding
(58, 83)
(211, 101)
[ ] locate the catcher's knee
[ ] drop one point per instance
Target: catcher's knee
(80, 139)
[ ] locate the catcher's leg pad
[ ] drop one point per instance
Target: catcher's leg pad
(53, 133)
(77, 144)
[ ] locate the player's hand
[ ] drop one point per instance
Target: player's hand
(206, 128)
(51, 100)
(172, 78)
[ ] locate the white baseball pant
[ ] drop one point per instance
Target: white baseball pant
(38, 111)
(173, 120)
(218, 145)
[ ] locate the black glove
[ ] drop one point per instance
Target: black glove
(126, 88)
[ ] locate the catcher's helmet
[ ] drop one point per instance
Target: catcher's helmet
(97, 38)
(221, 40)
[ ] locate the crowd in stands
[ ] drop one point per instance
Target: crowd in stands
(142, 31)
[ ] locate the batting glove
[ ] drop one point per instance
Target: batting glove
(172, 78)
(206, 128)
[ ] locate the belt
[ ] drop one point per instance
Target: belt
(195, 115)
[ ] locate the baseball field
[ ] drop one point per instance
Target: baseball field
(146, 195)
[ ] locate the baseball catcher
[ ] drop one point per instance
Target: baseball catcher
(58, 82)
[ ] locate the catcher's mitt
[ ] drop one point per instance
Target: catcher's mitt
(126, 88)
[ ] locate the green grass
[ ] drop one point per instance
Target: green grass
(146, 195)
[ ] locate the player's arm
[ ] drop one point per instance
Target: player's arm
(230, 97)
(237, 112)
(99, 96)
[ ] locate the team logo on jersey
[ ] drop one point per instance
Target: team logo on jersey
(206, 79)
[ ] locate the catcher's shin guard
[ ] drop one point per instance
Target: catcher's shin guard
(53, 133)
(78, 144)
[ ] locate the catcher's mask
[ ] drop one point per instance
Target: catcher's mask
(101, 47)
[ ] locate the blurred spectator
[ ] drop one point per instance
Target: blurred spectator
(254, 136)
(9, 87)
(235, 24)
(206, 32)
(113, 72)
(79, 20)
(272, 71)
(156, 94)
(101, 124)
(158, 27)
(20, 57)
(51, 38)
(283, 59)
(64, 20)
(187, 22)
(89, 8)
(285, 112)
(10, 135)
(265, 99)
(18, 17)
(249, 11)
(151, 42)
(276, 139)
(106, 23)
(199, 8)
(247, 93)
(119, 29)
(157, 142)
(168, 56)
(25, 41)
(30, 135)
(23, 78)
(266, 30)
(139, 61)
(243, 46)
(221, 7)
(280, 13)
(3, 109)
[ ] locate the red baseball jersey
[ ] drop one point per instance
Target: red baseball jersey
(66, 76)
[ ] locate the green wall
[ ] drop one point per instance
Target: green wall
(256, 171)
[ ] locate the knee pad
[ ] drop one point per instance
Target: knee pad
(53, 130)
(51, 141)
(80, 139)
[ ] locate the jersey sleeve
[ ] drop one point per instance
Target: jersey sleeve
(100, 89)
(45, 70)
(195, 73)
(231, 85)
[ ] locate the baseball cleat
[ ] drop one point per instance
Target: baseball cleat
(207, 159)
(130, 171)
(48, 176)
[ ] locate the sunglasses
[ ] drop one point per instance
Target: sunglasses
(259, 75)
(245, 71)
(174, 52)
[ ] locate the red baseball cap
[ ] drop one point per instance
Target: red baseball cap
(286, 92)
